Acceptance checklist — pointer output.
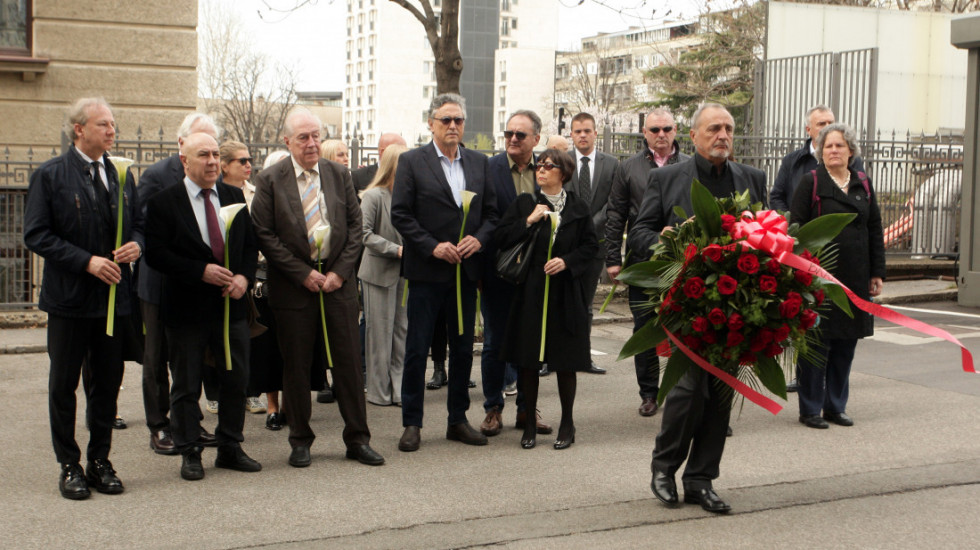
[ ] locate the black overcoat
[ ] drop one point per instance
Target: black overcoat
(567, 344)
(860, 245)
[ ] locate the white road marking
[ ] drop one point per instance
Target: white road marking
(936, 311)
(909, 340)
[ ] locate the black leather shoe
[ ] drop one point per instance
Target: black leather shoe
(708, 499)
(438, 379)
(234, 458)
(544, 370)
(728, 433)
(410, 439)
(840, 419)
(300, 457)
(119, 424)
(595, 369)
(649, 406)
(207, 439)
(814, 421)
(664, 487)
(365, 455)
(162, 443)
(528, 442)
(464, 433)
(274, 421)
(566, 442)
(793, 386)
(325, 395)
(191, 468)
(471, 384)
(99, 474)
(72, 482)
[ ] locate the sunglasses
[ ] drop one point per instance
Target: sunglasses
(546, 166)
(447, 120)
(511, 134)
(657, 129)
(244, 160)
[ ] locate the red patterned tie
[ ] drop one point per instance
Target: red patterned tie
(214, 228)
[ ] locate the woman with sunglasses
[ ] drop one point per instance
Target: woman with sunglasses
(265, 362)
(567, 342)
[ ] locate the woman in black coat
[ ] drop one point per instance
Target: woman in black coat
(860, 265)
(567, 342)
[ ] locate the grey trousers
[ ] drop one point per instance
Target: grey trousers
(386, 326)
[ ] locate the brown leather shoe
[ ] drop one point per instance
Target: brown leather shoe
(649, 406)
(410, 439)
(162, 443)
(542, 427)
(464, 433)
(492, 423)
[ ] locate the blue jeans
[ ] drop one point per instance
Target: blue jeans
(425, 300)
(495, 305)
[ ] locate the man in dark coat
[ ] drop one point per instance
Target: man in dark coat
(363, 176)
(696, 411)
(511, 174)
(188, 245)
(659, 132)
(427, 209)
(71, 221)
(149, 283)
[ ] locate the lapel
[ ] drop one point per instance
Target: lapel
(469, 171)
(185, 213)
(287, 178)
(435, 166)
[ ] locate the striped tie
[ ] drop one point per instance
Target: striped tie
(311, 209)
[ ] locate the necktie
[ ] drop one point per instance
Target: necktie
(215, 235)
(585, 181)
(101, 193)
(311, 208)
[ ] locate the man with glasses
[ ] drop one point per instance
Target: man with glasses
(427, 209)
(659, 133)
(591, 181)
(511, 173)
(294, 200)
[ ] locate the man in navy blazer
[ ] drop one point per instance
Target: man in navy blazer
(187, 243)
(426, 209)
(511, 173)
(697, 409)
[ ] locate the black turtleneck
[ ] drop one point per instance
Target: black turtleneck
(718, 179)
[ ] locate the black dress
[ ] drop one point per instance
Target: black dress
(567, 344)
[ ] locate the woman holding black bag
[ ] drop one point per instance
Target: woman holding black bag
(566, 347)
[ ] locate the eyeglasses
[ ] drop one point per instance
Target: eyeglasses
(447, 120)
(657, 129)
(244, 160)
(547, 166)
(512, 134)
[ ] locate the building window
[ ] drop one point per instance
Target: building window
(15, 27)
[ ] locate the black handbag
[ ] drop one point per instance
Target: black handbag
(513, 262)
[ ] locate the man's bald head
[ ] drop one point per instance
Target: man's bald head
(389, 139)
(201, 157)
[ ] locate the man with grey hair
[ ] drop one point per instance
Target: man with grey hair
(296, 200)
(796, 164)
(697, 409)
(428, 208)
(625, 196)
(69, 221)
(149, 285)
(511, 173)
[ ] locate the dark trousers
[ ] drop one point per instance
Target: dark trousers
(425, 301)
(440, 339)
(591, 278)
(495, 306)
(300, 338)
(695, 423)
(72, 341)
(187, 346)
(826, 388)
(156, 377)
(647, 363)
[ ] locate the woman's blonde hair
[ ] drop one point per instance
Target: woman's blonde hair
(329, 148)
(386, 167)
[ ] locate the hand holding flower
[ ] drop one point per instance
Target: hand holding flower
(331, 282)
(468, 246)
(105, 269)
(447, 252)
(127, 253)
(554, 266)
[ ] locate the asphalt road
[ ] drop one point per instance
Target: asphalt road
(907, 475)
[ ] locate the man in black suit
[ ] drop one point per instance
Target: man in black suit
(592, 180)
(697, 409)
(70, 220)
(149, 284)
(294, 198)
(365, 175)
(188, 244)
(426, 208)
(511, 173)
(659, 132)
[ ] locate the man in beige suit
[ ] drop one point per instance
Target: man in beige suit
(293, 198)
